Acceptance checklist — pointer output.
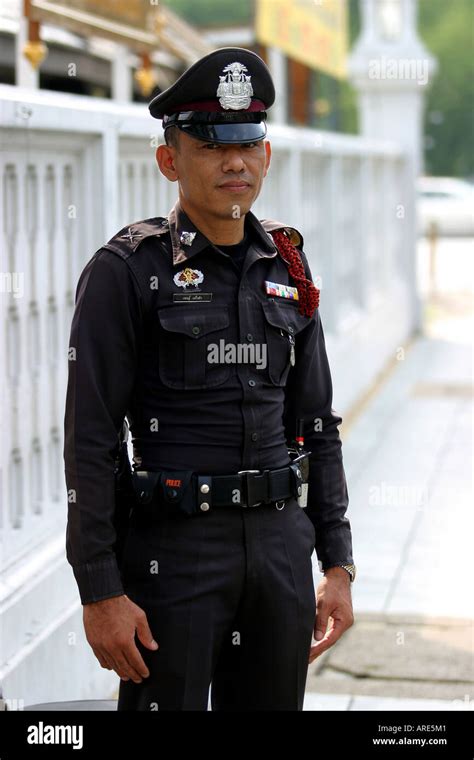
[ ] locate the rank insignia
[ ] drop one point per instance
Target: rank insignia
(188, 276)
(131, 235)
(282, 291)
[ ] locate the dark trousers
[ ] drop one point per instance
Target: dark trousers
(230, 599)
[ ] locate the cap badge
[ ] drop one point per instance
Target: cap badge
(186, 238)
(234, 89)
(188, 277)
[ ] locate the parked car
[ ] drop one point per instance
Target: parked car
(445, 204)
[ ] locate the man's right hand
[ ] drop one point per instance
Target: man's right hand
(110, 626)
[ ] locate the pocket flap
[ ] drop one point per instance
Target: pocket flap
(284, 315)
(196, 322)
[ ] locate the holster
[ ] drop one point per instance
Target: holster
(124, 495)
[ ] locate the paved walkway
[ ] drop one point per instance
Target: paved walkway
(316, 702)
(409, 468)
(408, 460)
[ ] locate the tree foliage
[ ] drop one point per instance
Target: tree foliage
(447, 31)
(210, 13)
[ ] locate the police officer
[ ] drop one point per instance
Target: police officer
(202, 328)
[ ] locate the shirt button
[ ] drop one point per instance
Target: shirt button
(249, 337)
(254, 436)
(204, 506)
(251, 383)
(196, 330)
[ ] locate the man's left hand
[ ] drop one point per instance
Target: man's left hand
(333, 602)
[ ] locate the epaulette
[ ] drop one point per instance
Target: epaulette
(295, 237)
(126, 241)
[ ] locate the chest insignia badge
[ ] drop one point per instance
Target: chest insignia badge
(186, 238)
(186, 277)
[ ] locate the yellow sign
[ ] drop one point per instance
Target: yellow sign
(313, 32)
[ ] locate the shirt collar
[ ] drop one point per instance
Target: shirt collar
(187, 240)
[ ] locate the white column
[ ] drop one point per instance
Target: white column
(277, 65)
(122, 83)
(391, 77)
(25, 74)
(391, 69)
(110, 156)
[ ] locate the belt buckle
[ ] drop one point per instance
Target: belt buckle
(247, 473)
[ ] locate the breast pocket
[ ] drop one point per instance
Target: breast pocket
(283, 322)
(184, 336)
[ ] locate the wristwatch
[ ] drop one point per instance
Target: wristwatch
(351, 569)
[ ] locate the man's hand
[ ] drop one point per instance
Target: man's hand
(333, 600)
(110, 627)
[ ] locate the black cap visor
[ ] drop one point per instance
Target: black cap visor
(226, 133)
(220, 127)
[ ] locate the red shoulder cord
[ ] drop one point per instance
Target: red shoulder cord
(308, 293)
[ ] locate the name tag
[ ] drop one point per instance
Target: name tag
(202, 297)
(282, 291)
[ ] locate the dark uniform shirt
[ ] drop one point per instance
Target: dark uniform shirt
(237, 252)
(139, 347)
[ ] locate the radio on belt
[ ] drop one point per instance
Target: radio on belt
(300, 464)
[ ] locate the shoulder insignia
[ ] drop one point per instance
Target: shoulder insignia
(270, 225)
(126, 241)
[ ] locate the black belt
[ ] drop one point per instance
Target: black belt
(247, 488)
(253, 487)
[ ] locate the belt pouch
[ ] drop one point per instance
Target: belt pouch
(178, 492)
